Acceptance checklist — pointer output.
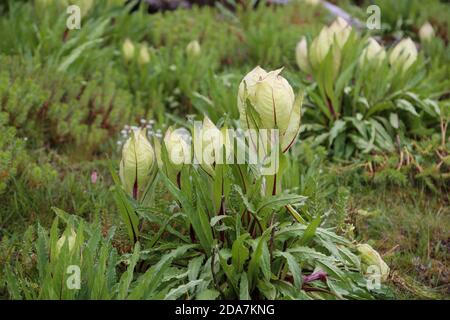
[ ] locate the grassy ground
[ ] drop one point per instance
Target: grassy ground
(409, 227)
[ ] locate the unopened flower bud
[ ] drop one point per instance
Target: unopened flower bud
(144, 55)
(70, 241)
(273, 99)
(404, 54)
(128, 50)
(320, 47)
(426, 32)
(301, 55)
(373, 52)
(138, 165)
(178, 147)
(193, 49)
(340, 31)
(370, 257)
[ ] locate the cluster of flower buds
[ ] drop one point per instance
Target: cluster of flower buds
(402, 55)
(331, 38)
(70, 239)
(266, 101)
(129, 52)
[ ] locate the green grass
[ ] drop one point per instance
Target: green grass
(409, 227)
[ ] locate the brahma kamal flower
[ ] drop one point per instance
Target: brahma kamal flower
(426, 32)
(144, 55)
(373, 52)
(332, 38)
(128, 50)
(138, 165)
(404, 54)
(70, 239)
(272, 98)
(193, 49)
(320, 47)
(370, 257)
(301, 55)
(178, 146)
(340, 31)
(210, 143)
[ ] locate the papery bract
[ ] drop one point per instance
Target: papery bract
(193, 49)
(272, 98)
(373, 52)
(426, 32)
(138, 165)
(404, 54)
(128, 50)
(178, 147)
(301, 56)
(370, 257)
(144, 55)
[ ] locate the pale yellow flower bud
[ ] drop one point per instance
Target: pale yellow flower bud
(273, 99)
(373, 52)
(178, 147)
(426, 32)
(370, 257)
(70, 241)
(128, 50)
(340, 31)
(404, 54)
(209, 144)
(144, 55)
(193, 49)
(301, 55)
(138, 166)
(320, 47)
(247, 89)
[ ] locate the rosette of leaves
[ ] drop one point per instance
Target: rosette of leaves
(252, 248)
(246, 243)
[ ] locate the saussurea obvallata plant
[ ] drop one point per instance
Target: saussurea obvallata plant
(363, 99)
(248, 239)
